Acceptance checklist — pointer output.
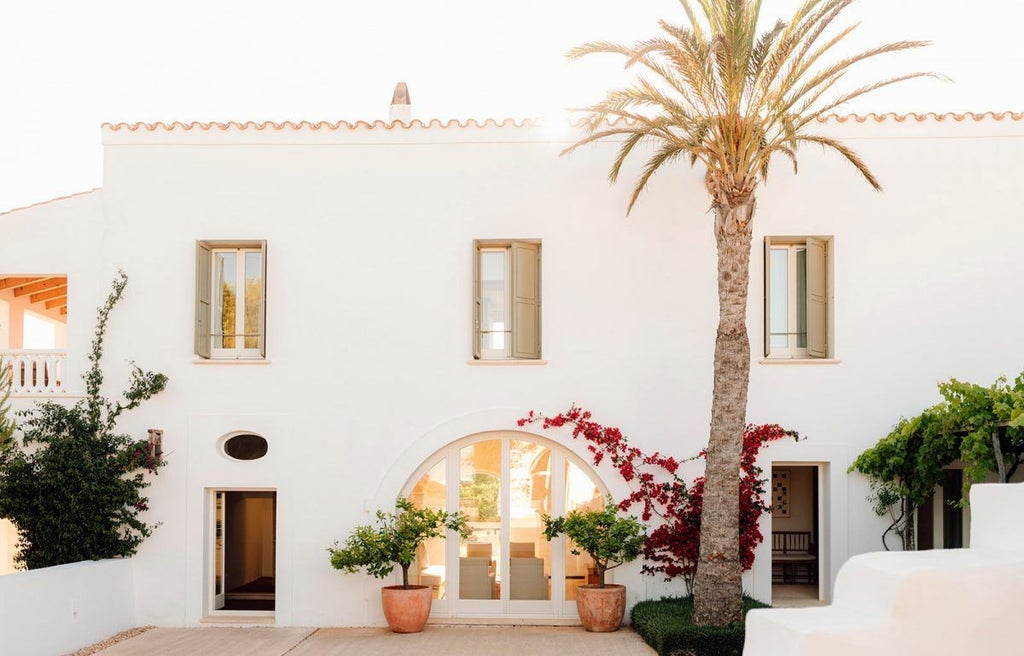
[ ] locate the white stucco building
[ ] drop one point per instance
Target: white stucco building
(411, 290)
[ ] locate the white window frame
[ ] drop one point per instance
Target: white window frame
(792, 350)
(206, 338)
(522, 306)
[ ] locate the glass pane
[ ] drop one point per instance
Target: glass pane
(253, 298)
(779, 293)
(801, 297)
(529, 497)
(493, 301)
(480, 499)
(581, 494)
(428, 569)
(224, 268)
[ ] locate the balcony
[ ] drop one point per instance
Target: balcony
(33, 333)
(36, 372)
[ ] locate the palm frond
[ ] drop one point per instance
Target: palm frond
(665, 154)
(598, 47)
(719, 92)
(627, 147)
(844, 64)
(844, 150)
(810, 116)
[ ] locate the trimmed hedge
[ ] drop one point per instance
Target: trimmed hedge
(665, 624)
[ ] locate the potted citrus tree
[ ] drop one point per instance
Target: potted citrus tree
(610, 540)
(393, 541)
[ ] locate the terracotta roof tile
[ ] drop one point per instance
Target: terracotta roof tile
(50, 200)
(509, 122)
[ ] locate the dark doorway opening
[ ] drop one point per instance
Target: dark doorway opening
(245, 551)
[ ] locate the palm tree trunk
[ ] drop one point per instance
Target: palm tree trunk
(718, 591)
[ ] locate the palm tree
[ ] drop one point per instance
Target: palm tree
(718, 93)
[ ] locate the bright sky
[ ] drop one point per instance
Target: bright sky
(66, 66)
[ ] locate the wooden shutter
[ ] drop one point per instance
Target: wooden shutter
(203, 286)
(767, 297)
(476, 300)
(817, 300)
(525, 300)
(263, 300)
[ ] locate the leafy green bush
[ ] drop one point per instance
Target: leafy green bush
(983, 427)
(666, 625)
(71, 485)
(394, 540)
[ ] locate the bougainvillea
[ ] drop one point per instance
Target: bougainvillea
(673, 545)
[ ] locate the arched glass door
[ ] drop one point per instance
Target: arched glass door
(504, 483)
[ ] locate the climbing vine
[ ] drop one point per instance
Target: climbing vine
(71, 484)
(6, 422)
(673, 546)
(981, 426)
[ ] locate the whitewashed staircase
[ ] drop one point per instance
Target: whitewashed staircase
(954, 601)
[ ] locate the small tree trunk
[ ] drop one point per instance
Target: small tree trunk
(910, 528)
(998, 451)
(601, 569)
(718, 591)
(405, 577)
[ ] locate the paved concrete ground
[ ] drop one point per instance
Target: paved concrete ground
(447, 640)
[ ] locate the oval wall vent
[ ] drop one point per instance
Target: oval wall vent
(246, 447)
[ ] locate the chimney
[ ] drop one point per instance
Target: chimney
(401, 105)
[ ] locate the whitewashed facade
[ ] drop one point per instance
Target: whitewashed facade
(367, 367)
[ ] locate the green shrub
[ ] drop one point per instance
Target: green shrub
(666, 625)
(71, 483)
(394, 539)
(608, 539)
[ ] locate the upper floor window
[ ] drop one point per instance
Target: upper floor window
(506, 299)
(231, 299)
(796, 297)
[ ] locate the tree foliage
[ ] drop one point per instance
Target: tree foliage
(610, 540)
(72, 485)
(981, 426)
(394, 539)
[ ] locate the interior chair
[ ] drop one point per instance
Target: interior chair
(527, 579)
(475, 581)
(520, 549)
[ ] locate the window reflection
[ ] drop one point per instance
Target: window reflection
(480, 500)
(428, 569)
(580, 494)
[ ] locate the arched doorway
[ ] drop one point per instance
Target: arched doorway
(504, 482)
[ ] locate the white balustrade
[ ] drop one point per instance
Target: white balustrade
(36, 372)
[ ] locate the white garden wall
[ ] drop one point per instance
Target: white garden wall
(955, 601)
(56, 610)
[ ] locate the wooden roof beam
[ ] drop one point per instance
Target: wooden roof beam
(7, 283)
(59, 302)
(41, 285)
(48, 294)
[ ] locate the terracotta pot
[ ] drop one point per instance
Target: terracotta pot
(406, 610)
(601, 609)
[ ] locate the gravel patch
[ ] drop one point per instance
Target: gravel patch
(112, 640)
